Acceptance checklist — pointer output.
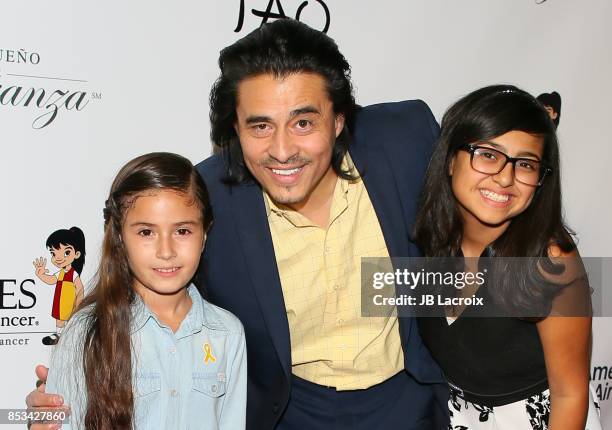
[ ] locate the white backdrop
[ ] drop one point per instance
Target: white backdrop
(123, 78)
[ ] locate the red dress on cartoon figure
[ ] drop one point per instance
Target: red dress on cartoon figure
(65, 294)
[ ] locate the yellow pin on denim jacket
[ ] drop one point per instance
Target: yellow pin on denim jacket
(194, 378)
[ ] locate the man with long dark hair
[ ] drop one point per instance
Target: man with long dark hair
(303, 186)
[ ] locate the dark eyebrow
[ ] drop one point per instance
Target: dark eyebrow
(257, 119)
(519, 155)
(303, 110)
(186, 223)
(176, 224)
(57, 249)
(528, 154)
(140, 223)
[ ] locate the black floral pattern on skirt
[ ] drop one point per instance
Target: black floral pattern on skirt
(537, 408)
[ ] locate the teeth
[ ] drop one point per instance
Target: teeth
(173, 269)
(286, 172)
(494, 196)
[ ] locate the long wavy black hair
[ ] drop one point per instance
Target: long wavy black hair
(280, 48)
(484, 114)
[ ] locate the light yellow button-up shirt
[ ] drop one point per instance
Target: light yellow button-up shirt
(320, 273)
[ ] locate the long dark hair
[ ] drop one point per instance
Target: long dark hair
(107, 348)
(74, 237)
(280, 48)
(484, 114)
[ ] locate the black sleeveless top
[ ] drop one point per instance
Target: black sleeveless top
(493, 360)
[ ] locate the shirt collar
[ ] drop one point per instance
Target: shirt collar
(193, 322)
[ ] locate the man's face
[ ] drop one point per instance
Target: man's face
(287, 128)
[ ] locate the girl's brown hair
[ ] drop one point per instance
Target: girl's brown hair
(107, 354)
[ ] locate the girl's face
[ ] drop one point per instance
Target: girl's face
(164, 238)
(63, 256)
(493, 200)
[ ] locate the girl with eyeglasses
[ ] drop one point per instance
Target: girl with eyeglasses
(492, 199)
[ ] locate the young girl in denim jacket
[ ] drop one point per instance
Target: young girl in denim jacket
(145, 350)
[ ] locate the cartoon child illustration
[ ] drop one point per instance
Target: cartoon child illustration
(67, 249)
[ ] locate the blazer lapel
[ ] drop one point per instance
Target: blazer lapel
(385, 197)
(256, 240)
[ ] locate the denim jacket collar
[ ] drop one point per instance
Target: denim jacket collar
(199, 315)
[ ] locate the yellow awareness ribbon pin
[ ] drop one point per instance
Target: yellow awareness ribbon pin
(209, 354)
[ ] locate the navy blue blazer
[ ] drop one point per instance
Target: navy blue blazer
(391, 147)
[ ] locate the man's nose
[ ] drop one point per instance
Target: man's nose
(282, 147)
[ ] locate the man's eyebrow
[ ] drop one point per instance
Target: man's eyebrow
(303, 110)
(257, 119)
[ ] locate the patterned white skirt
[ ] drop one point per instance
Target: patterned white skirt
(528, 414)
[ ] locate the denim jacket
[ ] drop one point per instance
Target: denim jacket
(192, 379)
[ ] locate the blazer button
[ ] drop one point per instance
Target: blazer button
(275, 408)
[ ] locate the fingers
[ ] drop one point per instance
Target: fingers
(42, 372)
(39, 262)
(50, 426)
(45, 426)
(39, 399)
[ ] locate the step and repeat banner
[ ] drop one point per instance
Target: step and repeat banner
(85, 86)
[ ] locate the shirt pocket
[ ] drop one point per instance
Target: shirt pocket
(147, 400)
(211, 385)
(206, 399)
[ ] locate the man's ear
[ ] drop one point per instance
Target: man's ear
(77, 255)
(339, 123)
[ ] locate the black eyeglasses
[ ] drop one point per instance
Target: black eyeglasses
(491, 161)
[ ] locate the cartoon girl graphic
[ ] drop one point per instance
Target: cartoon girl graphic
(67, 249)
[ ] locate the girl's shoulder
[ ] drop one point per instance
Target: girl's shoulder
(217, 318)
